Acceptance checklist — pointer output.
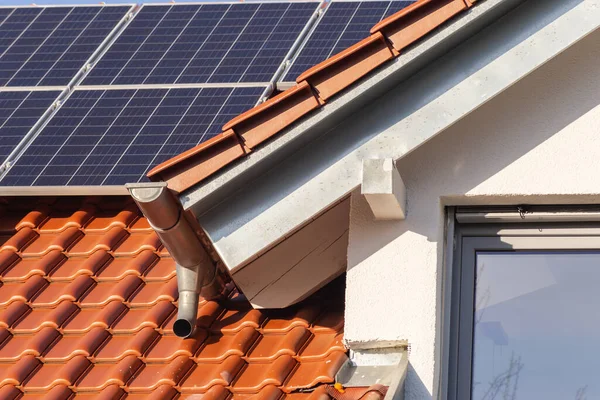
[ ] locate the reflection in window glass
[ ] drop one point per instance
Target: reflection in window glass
(537, 326)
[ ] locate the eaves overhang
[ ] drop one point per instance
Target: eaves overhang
(252, 205)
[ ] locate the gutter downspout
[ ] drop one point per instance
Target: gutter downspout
(196, 272)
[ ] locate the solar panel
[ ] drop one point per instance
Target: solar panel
(343, 24)
(48, 46)
(210, 43)
(19, 112)
(112, 137)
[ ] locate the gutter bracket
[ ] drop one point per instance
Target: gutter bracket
(383, 189)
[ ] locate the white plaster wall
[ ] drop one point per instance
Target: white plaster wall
(539, 142)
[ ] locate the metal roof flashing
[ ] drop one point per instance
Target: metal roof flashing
(226, 182)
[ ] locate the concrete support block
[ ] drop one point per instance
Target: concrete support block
(383, 189)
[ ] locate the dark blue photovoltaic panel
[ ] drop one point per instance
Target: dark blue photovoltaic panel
(19, 111)
(46, 46)
(113, 137)
(344, 24)
(216, 43)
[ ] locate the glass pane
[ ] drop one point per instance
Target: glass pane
(537, 326)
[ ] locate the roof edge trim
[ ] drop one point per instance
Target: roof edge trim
(225, 182)
(347, 67)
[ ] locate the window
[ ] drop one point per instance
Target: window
(525, 312)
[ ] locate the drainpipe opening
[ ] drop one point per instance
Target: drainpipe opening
(196, 272)
(183, 328)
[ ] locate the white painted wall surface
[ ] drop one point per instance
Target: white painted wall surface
(537, 143)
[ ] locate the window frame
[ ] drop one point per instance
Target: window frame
(470, 238)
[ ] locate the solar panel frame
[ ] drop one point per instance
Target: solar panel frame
(302, 62)
(190, 72)
(65, 65)
(33, 106)
(90, 153)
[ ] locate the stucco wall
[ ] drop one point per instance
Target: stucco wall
(538, 142)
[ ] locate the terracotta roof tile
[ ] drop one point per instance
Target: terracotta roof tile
(9, 392)
(200, 162)
(217, 348)
(315, 87)
(418, 19)
(84, 344)
(270, 347)
(263, 121)
(87, 302)
(338, 72)
(167, 347)
(22, 269)
(309, 374)
(118, 268)
(16, 347)
(255, 376)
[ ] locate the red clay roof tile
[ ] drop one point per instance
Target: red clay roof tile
(263, 121)
(271, 346)
(90, 319)
(218, 347)
(309, 374)
(338, 72)
(68, 347)
(417, 20)
(167, 347)
(255, 376)
(315, 86)
(199, 162)
(28, 267)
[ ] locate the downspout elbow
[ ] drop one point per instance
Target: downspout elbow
(196, 272)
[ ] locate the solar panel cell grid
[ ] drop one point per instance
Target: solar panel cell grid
(19, 112)
(112, 137)
(344, 24)
(215, 43)
(47, 46)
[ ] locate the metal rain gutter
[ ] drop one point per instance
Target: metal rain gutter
(196, 272)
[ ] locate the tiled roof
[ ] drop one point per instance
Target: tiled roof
(315, 87)
(88, 296)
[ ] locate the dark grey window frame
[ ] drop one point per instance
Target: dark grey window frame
(468, 238)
